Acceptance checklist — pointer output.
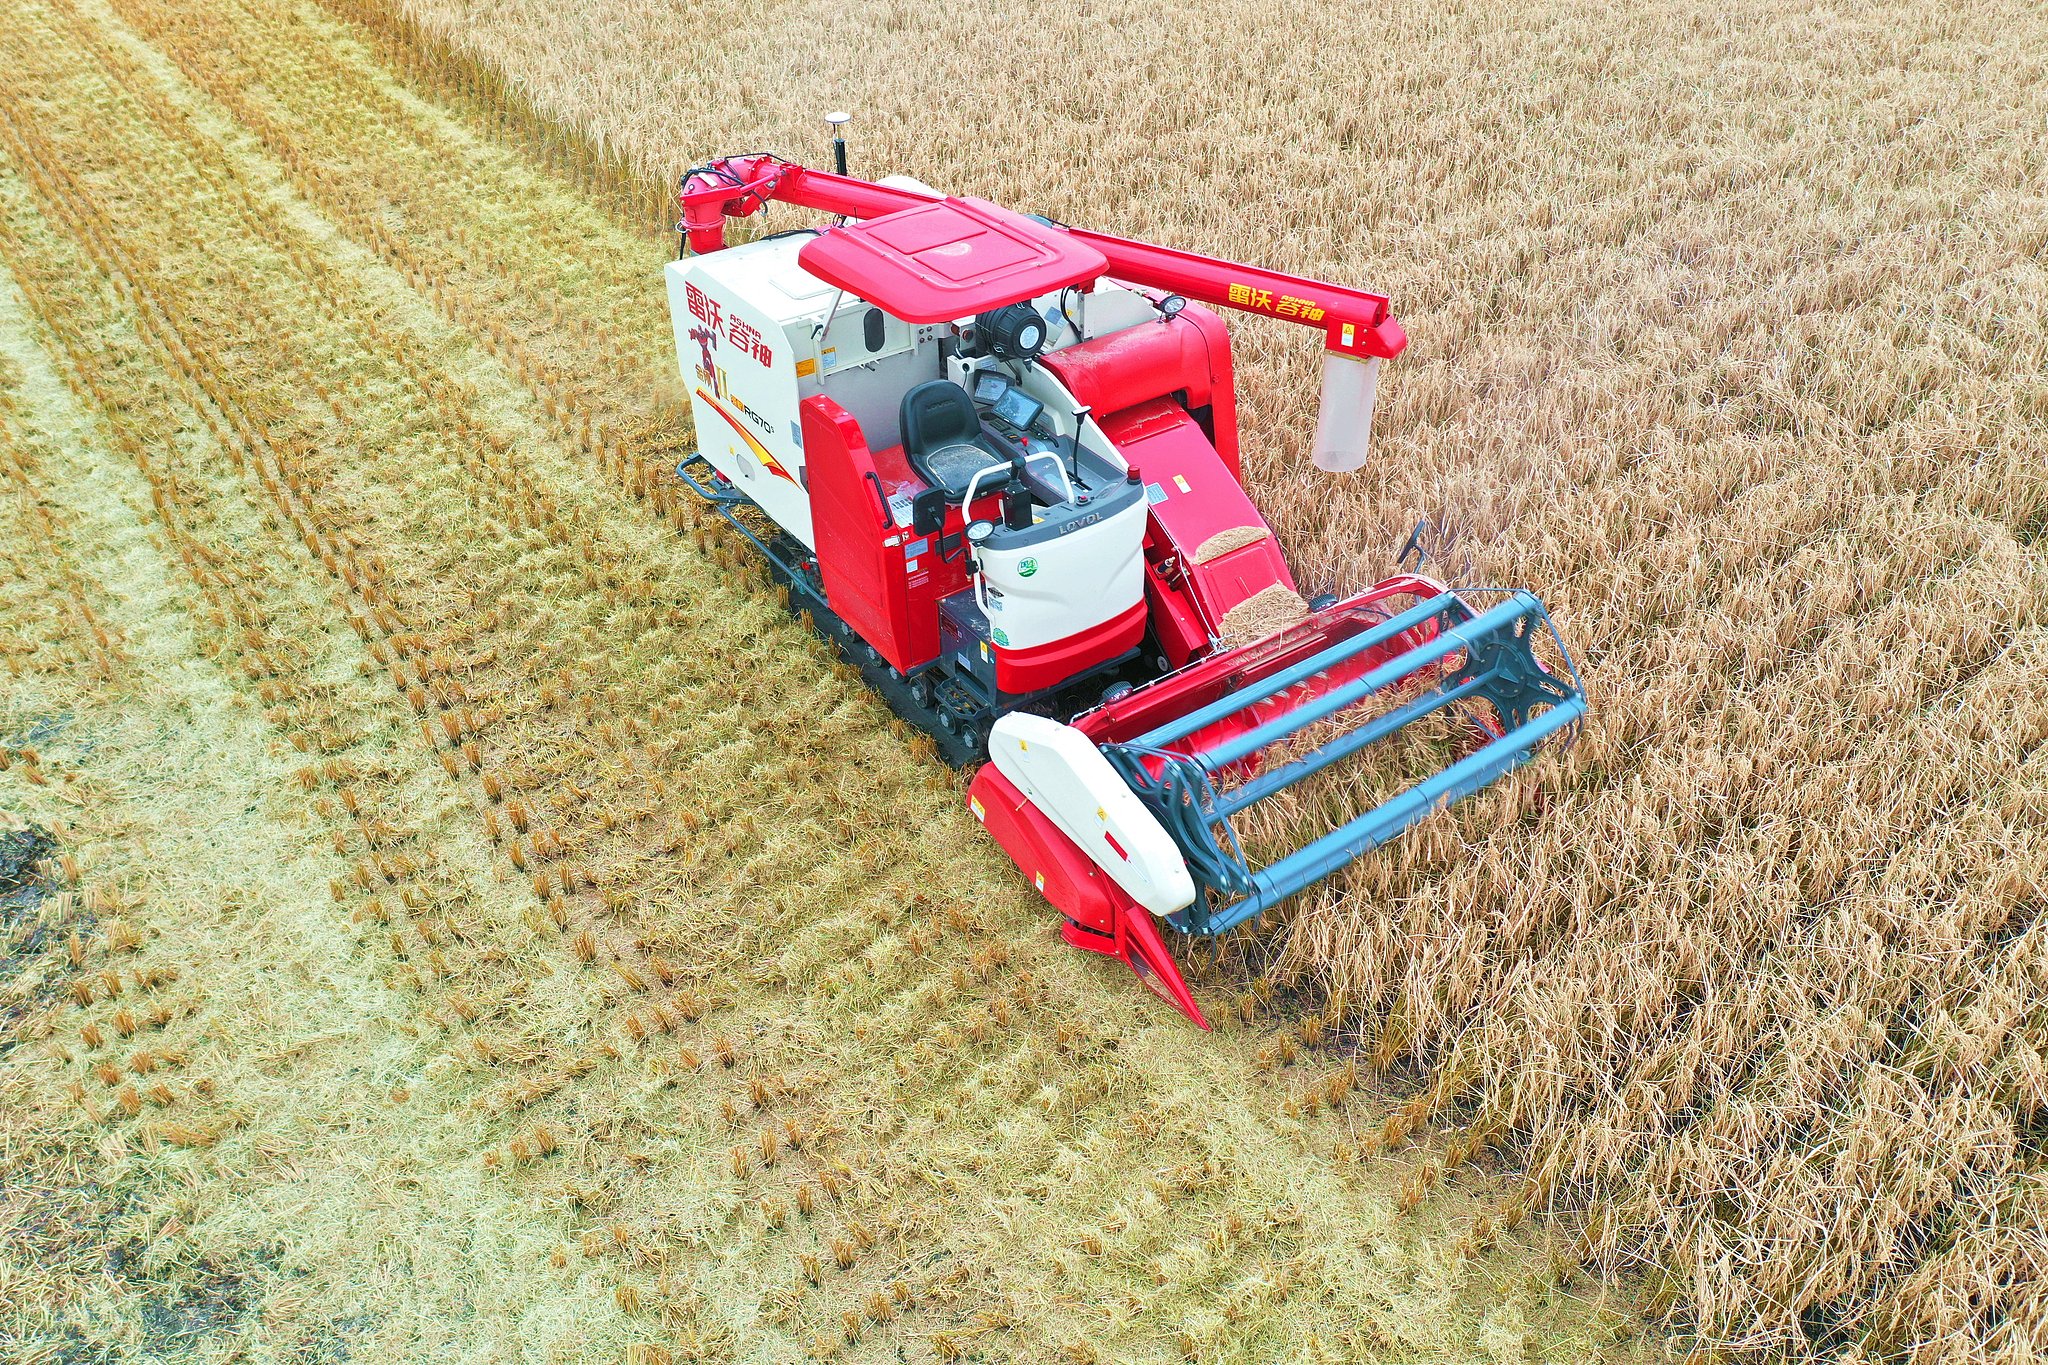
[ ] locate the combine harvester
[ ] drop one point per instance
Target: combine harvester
(996, 459)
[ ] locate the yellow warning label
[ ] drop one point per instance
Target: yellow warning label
(1038, 879)
(974, 804)
(1180, 481)
(806, 368)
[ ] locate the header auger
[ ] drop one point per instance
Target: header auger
(996, 460)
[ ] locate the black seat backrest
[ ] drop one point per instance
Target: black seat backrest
(936, 414)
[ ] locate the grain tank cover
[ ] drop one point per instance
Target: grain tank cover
(949, 260)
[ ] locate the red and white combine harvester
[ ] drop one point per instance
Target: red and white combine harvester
(996, 459)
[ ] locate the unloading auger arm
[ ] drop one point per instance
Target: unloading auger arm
(1354, 322)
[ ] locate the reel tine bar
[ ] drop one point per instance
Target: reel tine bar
(1498, 666)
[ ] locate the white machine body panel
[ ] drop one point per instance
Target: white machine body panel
(753, 340)
(1041, 592)
(738, 328)
(1060, 771)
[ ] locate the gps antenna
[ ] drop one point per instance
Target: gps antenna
(838, 119)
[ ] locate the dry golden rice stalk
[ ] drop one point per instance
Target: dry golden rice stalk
(1272, 608)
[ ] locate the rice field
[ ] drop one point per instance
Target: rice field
(450, 910)
(464, 948)
(1729, 339)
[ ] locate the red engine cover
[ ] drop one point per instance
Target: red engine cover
(1188, 357)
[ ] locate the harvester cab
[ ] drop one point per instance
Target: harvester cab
(995, 460)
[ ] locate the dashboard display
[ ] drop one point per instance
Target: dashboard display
(1017, 408)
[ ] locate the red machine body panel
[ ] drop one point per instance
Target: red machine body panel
(1188, 357)
(1028, 670)
(860, 552)
(928, 575)
(949, 259)
(1176, 622)
(1100, 916)
(1063, 874)
(1197, 505)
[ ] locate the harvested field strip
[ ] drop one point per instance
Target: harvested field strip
(1732, 337)
(182, 1046)
(710, 1008)
(45, 589)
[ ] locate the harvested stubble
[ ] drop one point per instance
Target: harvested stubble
(1729, 329)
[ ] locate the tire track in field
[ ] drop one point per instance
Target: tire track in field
(253, 619)
(160, 1035)
(233, 561)
(347, 569)
(235, 418)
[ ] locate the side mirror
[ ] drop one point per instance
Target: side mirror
(928, 512)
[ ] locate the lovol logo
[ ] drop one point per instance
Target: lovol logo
(1026, 567)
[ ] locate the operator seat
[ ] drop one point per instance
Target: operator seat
(943, 439)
